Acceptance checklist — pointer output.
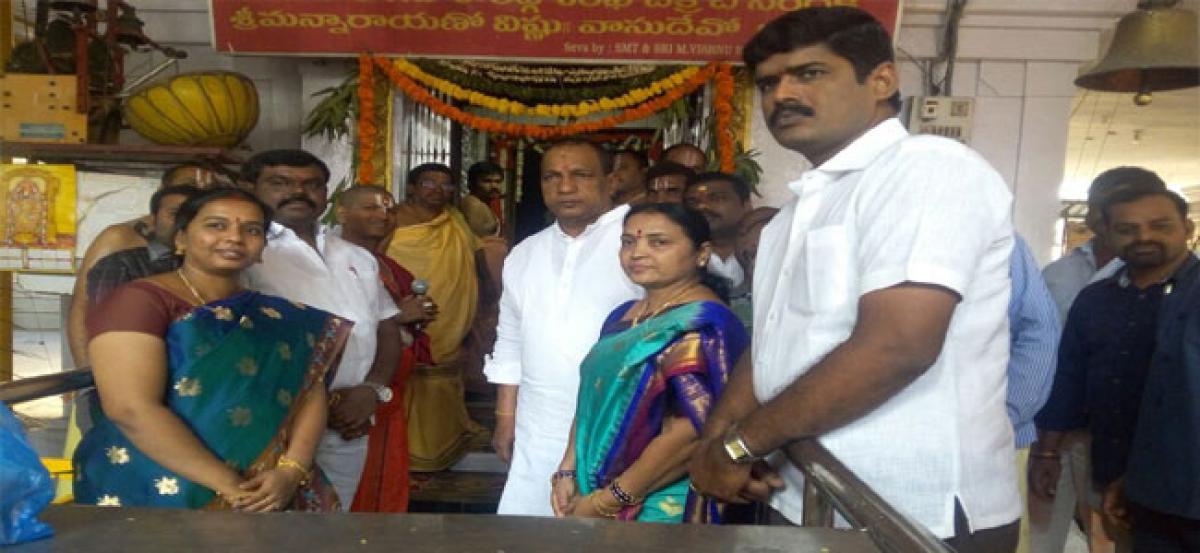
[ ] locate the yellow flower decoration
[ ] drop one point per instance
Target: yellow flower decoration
(117, 455)
(582, 109)
(285, 351)
(240, 416)
(271, 312)
(284, 397)
(167, 485)
(187, 387)
(223, 313)
(247, 366)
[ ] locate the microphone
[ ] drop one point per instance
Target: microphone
(420, 287)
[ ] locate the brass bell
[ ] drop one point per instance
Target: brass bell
(1154, 48)
(129, 28)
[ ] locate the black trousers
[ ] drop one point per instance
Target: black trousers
(1158, 532)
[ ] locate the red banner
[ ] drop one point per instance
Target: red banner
(571, 30)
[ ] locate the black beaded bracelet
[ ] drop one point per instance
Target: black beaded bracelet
(623, 497)
(562, 474)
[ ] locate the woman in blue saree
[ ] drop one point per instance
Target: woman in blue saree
(647, 386)
(211, 396)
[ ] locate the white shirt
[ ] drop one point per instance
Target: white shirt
(558, 291)
(887, 209)
(728, 268)
(342, 279)
(1071, 273)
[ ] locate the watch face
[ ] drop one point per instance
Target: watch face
(385, 394)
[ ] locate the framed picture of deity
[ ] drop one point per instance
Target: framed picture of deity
(37, 218)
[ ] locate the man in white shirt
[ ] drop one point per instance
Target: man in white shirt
(880, 296)
(559, 286)
(723, 199)
(305, 264)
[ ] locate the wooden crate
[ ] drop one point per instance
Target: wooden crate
(40, 108)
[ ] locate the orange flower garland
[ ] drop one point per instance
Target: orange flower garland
(723, 106)
(366, 119)
(367, 130)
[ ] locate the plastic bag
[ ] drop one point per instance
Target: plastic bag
(25, 485)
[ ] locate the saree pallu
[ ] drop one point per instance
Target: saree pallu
(675, 364)
(238, 370)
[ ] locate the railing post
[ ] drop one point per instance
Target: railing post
(818, 511)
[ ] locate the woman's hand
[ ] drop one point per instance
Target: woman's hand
(564, 494)
(270, 490)
(589, 506)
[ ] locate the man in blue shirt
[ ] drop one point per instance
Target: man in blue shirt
(1051, 514)
(1033, 337)
(1110, 334)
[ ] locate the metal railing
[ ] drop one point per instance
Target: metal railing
(829, 485)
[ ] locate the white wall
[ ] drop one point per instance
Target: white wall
(1018, 59)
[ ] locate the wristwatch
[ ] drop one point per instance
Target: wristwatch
(383, 393)
(736, 448)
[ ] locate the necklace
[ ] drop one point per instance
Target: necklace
(670, 302)
(190, 287)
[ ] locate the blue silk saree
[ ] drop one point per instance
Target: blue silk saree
(675, 364)
(238, 369)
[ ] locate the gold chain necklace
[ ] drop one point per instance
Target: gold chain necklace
(190, 288)
(642, 317)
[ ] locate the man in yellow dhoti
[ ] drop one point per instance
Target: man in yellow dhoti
(433, 241)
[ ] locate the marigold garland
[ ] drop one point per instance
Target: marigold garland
(511, 107)
(553, 92)
(723, 106)
(367, 130)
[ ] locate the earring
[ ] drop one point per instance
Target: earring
(180, 250)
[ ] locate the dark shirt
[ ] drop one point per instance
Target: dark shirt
(1103, 359)
(1164, 462)
(116, 269)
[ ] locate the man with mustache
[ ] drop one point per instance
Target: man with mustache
(1110, 335)
(304, 263)
(434, 241)
(880, 300)
(724, 200)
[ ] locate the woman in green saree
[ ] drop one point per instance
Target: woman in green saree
(211, 396)
(647, 386)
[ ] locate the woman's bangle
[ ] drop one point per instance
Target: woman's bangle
(562, 474)
(1045, 455)
(500, 413)
(600, 508)
(286, 462)
(623, 497)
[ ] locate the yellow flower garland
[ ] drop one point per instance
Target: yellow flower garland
(511, 107)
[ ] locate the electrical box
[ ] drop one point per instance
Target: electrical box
(942, 115)
(40, 108)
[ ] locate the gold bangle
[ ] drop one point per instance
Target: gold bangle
(500, 413)
(599, 510)
(286, 462)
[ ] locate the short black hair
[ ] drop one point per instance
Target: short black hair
(668, 168)
(189, 209)
(1123, 177)
(850, 33)
(415, 172)
(605, 156)
(638, 156)
(186, 190)
(170, 172)
(482, 169)
(289, 158)
(684, 146)
(739, 185)
(1127, 195)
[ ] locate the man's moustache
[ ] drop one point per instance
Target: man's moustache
(781, 109)
(303, 200)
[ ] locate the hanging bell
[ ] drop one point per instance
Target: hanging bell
(129, 28)
(1153, 48)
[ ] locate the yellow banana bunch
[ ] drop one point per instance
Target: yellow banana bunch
(210, 108)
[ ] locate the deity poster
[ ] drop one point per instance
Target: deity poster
(37, 221)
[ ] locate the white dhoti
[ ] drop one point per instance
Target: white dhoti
(342, 462)
(535, 459)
